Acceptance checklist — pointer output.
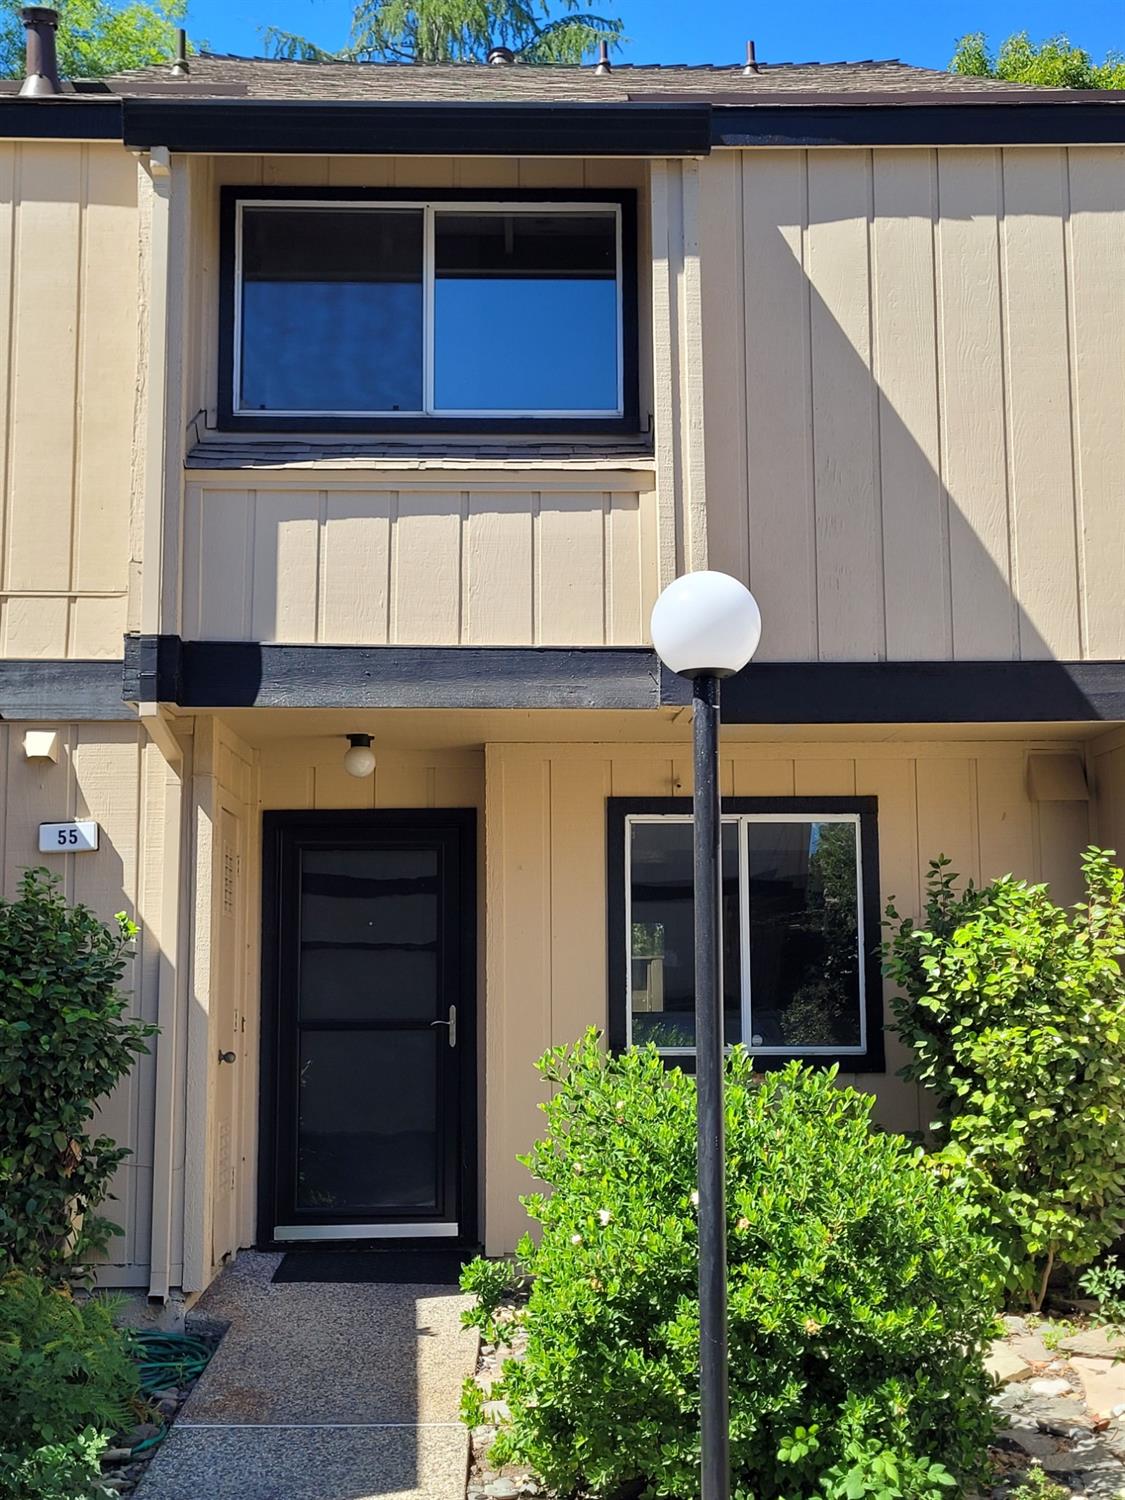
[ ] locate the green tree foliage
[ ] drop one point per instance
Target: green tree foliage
(96, 37)
(66, 1381)
(1054, 63)
(861, 1296)
(1014, 1009)
(64, 1044)
(450, 31)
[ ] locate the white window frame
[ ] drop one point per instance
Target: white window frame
(743, 820)
(430, 209)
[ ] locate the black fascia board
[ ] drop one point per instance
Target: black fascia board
(308, 127)
(65, 117)
(1058, 123)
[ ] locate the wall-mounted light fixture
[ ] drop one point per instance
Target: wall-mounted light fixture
(41, 744)
(359, 758)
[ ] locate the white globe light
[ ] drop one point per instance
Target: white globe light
(706, 623)
(360, 759)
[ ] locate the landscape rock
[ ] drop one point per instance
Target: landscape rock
(1103, 1383)
(502, 1489)
(1048, 1387)
(1103, 1343)
(1005, 1366)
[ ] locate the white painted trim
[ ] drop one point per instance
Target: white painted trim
(429, 208)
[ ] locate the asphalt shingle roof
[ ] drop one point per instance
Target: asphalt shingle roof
(216, 76)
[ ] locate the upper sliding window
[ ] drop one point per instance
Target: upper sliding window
(801, 930)
(384, 312)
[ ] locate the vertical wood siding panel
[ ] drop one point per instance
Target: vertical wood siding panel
(36, 627)
(401, 783)
(287, 777)
(1097, 245)
(10, 163)
(724, 362)
(332, 786)
(459, 785)
(915, 535)
(650, 775)
(845, 417)
(519, 974)
(947, 816)
(570, 567)
(1007, 843)
(486, 172)
(106, 373)
(43, 401)
(105, 766)
(781, 525)
(191, 563)
(286, 544)
(355, 568)
(543, 172)
(973, 435)
(626, 619)
(295, 171)
(824, 778)
(763, 778)
(498, 608)
(1039, 415)
(96, 627)
(578, 908)
(1064, 831)
(426, 579)
(226, 524)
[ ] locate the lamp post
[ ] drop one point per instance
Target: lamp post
(706, 626)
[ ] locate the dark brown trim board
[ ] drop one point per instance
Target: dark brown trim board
(248, 674)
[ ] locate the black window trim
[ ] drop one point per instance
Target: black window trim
(620, 809)
(232, 420)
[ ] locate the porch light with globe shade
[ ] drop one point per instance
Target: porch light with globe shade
(706, 626)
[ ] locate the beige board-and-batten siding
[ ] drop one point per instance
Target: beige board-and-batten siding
(915, 398)
(506, 558)
(107, 772)
(69, 283)
(546, 888)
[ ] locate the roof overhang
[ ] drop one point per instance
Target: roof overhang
(1085, 121)
(376, 129)
(643, 126)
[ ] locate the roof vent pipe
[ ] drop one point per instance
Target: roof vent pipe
(604, 65)
(751, 59)
(42, 71)
(180, 67)
(500, 57)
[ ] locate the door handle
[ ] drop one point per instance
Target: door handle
(451, 1023)
(227, 1057)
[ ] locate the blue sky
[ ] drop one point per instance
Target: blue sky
(716, 30)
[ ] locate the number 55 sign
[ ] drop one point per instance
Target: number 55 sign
(68, 838)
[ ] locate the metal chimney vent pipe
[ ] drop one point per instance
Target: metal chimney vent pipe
(42, 69)
(751, 59)
(604, 65)
(180, 67)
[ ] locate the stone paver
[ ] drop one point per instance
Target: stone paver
(1103, 1381)
(322, 1392)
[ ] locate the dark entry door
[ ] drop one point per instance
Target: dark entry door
(368, 1125)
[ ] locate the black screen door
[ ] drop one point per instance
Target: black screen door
(368, 1046)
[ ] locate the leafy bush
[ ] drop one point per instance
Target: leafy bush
(65, 1380)
(1015, 1011)
(63, 1045)
(861, 1298)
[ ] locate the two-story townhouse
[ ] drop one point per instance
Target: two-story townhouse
(347, 401)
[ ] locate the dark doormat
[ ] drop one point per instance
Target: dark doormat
(423, 1267)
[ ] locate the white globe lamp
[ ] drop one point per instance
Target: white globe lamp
(706, 624)
(359, 758)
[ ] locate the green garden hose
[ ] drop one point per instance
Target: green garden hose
(164, 1360)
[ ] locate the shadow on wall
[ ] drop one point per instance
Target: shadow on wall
(890, 373)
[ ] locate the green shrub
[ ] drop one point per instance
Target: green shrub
(1015, 1011)
(66, 1379)
(63, 1045)
(861, 1299)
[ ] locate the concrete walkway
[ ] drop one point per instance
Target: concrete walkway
(322, 1393)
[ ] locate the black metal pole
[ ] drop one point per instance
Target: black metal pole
(713, 1395)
